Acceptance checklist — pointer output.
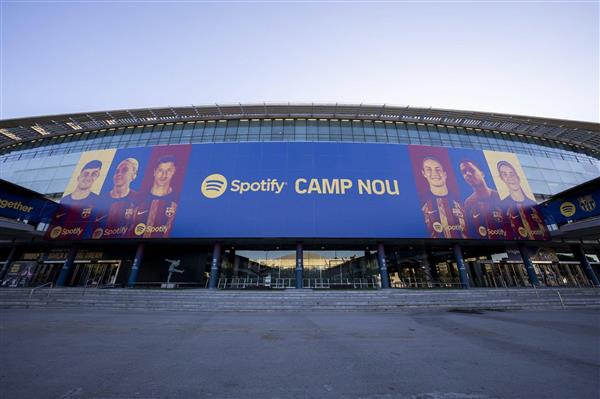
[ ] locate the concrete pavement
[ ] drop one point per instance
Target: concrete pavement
(72, 354)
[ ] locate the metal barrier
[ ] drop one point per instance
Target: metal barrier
(285, 283)
(348, 283)
(419, 284)
(51, 284)
(255, 283)
(160, 284)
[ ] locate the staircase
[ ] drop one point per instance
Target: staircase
(203, 300)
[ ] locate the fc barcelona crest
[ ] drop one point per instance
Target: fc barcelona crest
(587, 203)
(170, 211)
(86, 212)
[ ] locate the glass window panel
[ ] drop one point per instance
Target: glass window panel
(380, 133)
(369, 128)
(346, 126)
(176, 132)
(166, 131)
(198, 132)
(219, 135)
(243, 130)
(232, 130)
(209, 131)
(335, 130)
(396, 133)
(539, 187)
(358, 132)
(266, 129)
(323, 129)
(300, 129)
(277, 132)
(254, 130)
(186, 133)
(312, 130)
(288, 129)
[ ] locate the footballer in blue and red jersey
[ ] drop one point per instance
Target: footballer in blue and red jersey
(156, 210)
(74, 218)
(443, 213)
(483, 210)
(115, 214)
(525, 220)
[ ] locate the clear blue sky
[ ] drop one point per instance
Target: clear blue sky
(531, 58)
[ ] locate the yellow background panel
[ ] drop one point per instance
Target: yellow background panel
(492, 158)
(104, 156)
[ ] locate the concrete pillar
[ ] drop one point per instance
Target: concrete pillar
(533, 280)
(236, 266)
(9, 261)
(431, 264)
(585, 264)
(135, 267)
(299, 265)
(385, 279)
(215, 266)
(67, 266)
(462, 271)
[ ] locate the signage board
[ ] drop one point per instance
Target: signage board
(297, 190)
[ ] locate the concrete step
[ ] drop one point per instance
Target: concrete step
(296, 300)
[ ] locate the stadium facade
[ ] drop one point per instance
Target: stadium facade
(304, 196)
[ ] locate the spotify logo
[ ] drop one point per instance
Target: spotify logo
(568, 209)
(214, 185)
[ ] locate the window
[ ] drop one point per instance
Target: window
(232, 130)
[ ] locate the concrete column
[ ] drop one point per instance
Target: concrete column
(215, 267)
(431, 264)
(67, 266)
(385, 279)
(299, 265)
(585, 264)
(135, 267)
(462, 271)
(533, 280)
(9, 261)
(236, 266)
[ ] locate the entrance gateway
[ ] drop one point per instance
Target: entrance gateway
(407, 267)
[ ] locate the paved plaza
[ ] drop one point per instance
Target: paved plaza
(72, 354)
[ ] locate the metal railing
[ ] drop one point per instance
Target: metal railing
(51, 284)
(421, 283)
(284, 283)
(176, 285)
(348, 283)
(255, 283)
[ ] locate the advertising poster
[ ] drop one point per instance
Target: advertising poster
(297, 190)
(120, 194)
(516, 196)
(484, 215)
(75, 216)
(158, 199)
(442, 210)
(14, 205)
(572, 208)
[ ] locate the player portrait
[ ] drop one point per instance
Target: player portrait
(517, 200)
(115, 215)
(156, 206)
(438, 192)
(75, 215)
(481, 202)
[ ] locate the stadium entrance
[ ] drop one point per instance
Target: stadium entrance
(322, 269)
(95, 274)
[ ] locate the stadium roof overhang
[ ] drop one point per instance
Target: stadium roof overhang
(585, 135)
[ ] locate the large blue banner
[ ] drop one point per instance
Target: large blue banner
(572, 208)
(17, 204)
(297, 190)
